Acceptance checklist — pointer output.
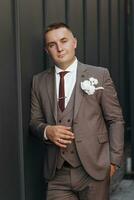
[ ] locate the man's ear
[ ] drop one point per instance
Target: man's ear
(75, 42)
(46, 50)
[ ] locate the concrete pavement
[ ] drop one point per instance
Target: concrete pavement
(125, 191)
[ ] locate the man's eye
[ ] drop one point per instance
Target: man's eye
(51, 45)
(65, 40)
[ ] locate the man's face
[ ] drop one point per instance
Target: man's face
(61, 45)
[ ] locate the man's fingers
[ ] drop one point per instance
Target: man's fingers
(60, 135)
(64, 127)
(61, 145)
(66, 133)
(112, 170)
(63, 141)
(66, 137)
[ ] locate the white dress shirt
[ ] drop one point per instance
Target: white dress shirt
(69, 83)
(69, 80)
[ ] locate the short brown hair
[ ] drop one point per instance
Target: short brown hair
(56, 26)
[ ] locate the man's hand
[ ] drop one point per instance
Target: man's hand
(113, 170)
(60, 135)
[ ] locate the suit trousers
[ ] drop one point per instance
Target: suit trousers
(76, 184)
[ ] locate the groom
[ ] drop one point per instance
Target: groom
(76, 113)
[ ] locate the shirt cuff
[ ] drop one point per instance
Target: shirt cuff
(45, 136)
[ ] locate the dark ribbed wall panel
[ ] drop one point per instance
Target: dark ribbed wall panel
(114, 40)
(21, 48)
(10, 186)
(91, 32)
(122, 77)
(104, 31)
(54, 11)
(31, 60)
(131, 82)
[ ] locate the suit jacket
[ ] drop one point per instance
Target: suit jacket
(97, 122)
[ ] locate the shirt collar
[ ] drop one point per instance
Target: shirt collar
(70, 68)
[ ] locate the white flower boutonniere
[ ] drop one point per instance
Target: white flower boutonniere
(89, 86)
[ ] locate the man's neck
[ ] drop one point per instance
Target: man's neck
(64, 67)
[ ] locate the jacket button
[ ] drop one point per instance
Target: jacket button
(68, 120)
(59, 121)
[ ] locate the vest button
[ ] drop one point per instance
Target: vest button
(72, 152)
(59, 121)
(63, 152)
(68, 120)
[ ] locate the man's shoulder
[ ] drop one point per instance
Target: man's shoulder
(93, 68)
(43, 74)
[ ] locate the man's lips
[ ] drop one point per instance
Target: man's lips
(61, 55)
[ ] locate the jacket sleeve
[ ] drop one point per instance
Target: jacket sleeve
(114, 119)
(37, 121)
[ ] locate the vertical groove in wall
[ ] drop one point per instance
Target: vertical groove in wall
(84, 30)
(44, 12)
(92, 32)
(66, 11)
(115, 40)
(120, 46)
(131, 82)
(44, 25)
(109, 34)
(103, 31)
(108, 7)
(119, 21)
(98, 30)
(20, 127)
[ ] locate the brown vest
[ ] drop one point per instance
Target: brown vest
(66, 118)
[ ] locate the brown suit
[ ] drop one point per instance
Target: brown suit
(97, 122)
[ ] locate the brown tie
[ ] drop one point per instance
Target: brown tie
(62, 91)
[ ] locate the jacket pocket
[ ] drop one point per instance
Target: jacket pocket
(102, 138)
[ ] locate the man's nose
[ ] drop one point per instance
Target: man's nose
(59, 47)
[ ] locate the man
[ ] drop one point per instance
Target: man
(76, 113)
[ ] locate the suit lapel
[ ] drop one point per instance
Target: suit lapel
(81, 74)
(51, 89)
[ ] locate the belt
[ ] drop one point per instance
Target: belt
(66, 164)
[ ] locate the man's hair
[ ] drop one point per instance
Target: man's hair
(57, 26)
